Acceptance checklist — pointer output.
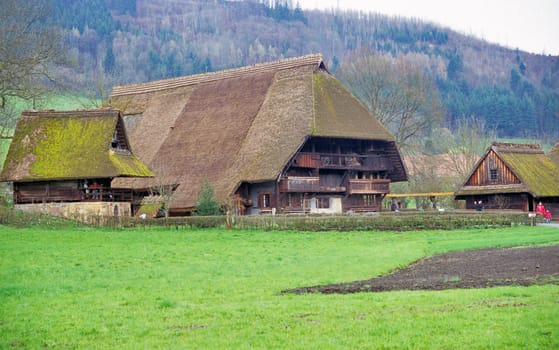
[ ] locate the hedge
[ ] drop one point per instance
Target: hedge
(374, 222)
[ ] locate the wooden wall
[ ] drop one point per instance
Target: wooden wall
(501, 201)
(482, 174)
(52, 191)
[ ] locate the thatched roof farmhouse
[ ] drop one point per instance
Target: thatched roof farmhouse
(284, 136)
(513, 176)
(68, 157)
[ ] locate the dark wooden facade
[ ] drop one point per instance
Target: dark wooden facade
(69, 191)
(492, 171)
(326, 175)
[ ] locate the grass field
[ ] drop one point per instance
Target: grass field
(87, 288)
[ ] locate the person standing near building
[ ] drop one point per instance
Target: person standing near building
(547, 216)
(540, 208)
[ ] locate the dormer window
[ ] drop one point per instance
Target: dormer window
(493, 175)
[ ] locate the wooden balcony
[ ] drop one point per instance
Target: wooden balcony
(369, 186)
(342, 161)
(46, 195)
(306, 184)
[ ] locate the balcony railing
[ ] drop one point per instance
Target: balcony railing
(342, 161)
(306, 184)
(104, 194)
(369, 186)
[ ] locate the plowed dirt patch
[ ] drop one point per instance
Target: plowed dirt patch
(470, 269)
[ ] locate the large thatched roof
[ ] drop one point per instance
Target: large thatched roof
(239, 125)
(537, 174)
(49, 145)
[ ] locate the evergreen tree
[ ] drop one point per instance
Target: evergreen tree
(515, 80)
(207, 204)
(455, 66)
(109, 61)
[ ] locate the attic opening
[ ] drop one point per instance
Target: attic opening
(119, 141)
(322, 67)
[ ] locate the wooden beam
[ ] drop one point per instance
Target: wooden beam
(428, 194)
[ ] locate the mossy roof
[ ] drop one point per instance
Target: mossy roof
(538, 174)
(240, 125)
(56, 145)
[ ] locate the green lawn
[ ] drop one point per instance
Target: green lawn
(215, 289)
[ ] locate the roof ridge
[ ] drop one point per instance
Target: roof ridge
(516, 147)
(69, 113)
(315, 59)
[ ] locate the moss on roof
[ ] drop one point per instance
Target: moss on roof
(538, 174)
(536, 171)
(340, 114)
(68, 145)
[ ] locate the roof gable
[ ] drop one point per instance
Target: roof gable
(518, 168)
(70, 145)
(492, 162)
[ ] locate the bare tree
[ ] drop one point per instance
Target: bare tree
(30, 49)
(396, 91)
(468, 143)
(163, 187)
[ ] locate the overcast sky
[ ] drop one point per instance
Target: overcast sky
(530, 25)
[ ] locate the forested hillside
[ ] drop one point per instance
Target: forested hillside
(128, 41)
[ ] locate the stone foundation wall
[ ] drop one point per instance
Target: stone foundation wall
(78, 210)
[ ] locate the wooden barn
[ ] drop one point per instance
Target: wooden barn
(283, 136)
(70, 156)
(513, 176)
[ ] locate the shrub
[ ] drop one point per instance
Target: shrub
(207, 204)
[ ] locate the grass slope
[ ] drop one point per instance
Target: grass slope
(156, 288)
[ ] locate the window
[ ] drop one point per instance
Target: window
(294, 200)
(323, 203)
(493, 174)
(369, 200)
(264, 200)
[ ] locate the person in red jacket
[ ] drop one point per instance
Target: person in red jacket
(547, 216)
(540, 208)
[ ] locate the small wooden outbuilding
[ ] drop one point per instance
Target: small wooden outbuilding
(70, 156)
(513, 176)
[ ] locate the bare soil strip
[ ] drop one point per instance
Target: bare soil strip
(470, 269)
